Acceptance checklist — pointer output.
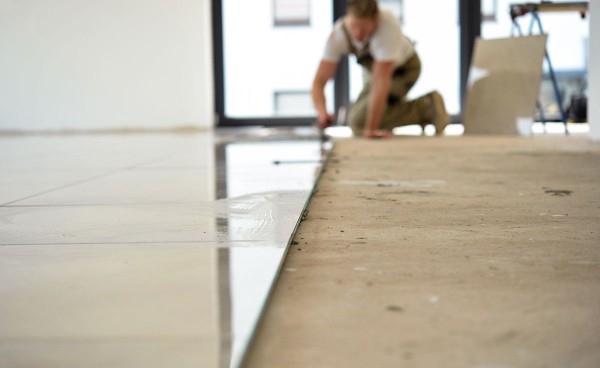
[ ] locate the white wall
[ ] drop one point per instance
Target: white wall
(594, 73)
(110, 64)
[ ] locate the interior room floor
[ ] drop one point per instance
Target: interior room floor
(144, 250)
(154, 250)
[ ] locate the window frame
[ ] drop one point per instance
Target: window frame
(470, 28)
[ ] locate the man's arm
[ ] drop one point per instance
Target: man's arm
(380, 89)
(325, 72)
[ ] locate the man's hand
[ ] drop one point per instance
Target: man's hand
(325, 120)
(379, 133)
(325, 72)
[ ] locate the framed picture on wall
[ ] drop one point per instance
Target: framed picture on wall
(291, 12)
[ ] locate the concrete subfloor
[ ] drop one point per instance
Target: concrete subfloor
(473, 251)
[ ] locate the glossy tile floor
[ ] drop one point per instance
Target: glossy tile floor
(153, 250)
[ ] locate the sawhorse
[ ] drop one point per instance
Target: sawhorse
(517, 10)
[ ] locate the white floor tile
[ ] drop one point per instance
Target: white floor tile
(133, 187)
(115, 251)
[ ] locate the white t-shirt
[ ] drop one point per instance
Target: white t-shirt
(387, 43)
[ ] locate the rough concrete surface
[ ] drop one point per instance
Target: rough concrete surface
(471, 251)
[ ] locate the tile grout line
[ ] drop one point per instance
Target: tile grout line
(7, 204)
(219, 243)
(105, 204)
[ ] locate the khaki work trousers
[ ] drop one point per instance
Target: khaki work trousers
(398, 113)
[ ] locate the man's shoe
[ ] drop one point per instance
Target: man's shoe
(439, 116)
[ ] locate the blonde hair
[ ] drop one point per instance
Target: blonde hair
(362, 9)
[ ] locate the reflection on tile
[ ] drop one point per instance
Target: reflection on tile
(256, 219)
(115, 251)
(288, 165)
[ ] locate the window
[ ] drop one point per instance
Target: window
(260, 67)
(257, 58)
(291, 12)
(488, 10)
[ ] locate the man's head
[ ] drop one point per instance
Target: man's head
(362, 18)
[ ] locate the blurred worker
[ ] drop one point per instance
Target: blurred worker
(392, 67)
